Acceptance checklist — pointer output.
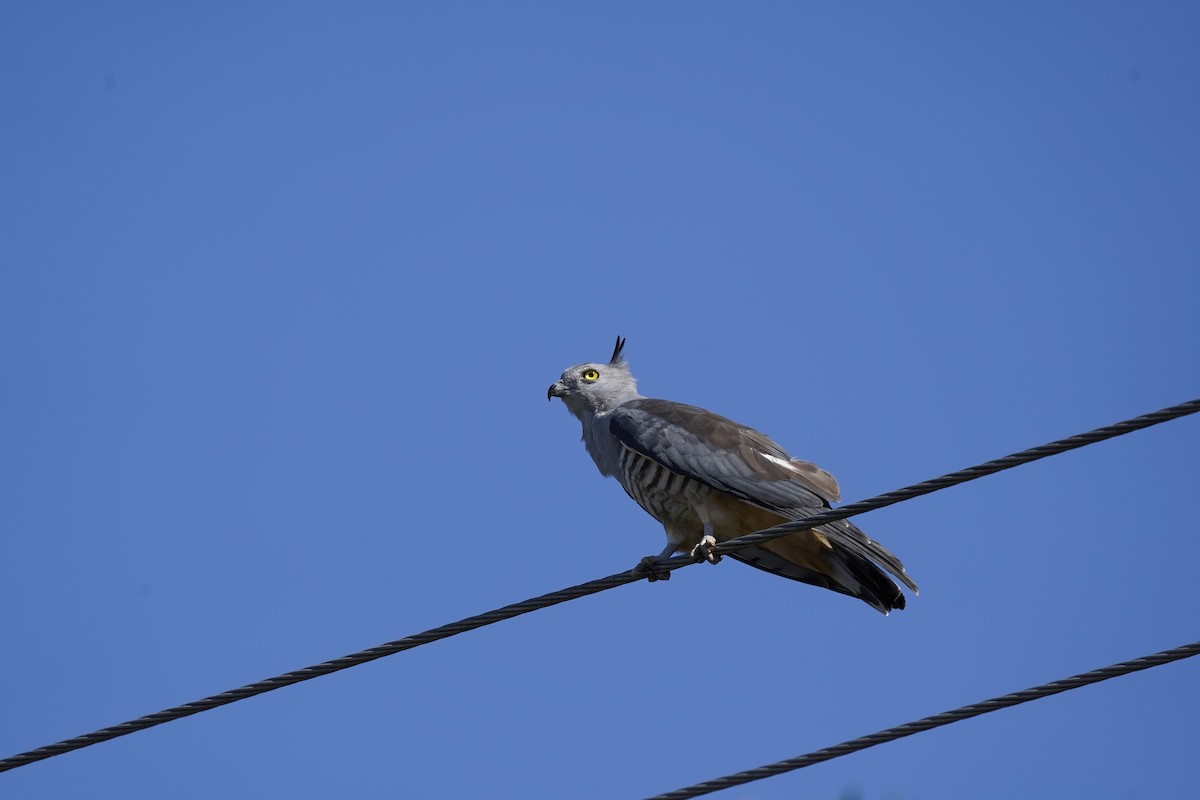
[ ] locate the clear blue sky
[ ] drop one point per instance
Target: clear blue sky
(282, 287)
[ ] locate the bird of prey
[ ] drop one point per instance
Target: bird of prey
(707, 479)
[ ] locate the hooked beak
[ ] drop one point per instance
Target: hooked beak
(557, 389)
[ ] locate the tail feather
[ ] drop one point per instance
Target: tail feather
(852, 563)
(839, 570)
(850, 536)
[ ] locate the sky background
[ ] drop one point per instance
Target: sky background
(282, 286)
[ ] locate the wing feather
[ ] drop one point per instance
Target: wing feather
(724, 455)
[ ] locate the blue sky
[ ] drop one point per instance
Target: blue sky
(283, 287)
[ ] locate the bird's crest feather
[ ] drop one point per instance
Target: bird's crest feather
(617, 358)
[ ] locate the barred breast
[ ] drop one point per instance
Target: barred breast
(667, 496)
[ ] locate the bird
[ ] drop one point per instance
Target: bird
(708, 479)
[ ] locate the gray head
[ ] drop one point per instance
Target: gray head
(591, 389)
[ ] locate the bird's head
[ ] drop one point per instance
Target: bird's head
(590, 389)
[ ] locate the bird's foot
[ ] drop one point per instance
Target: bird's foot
(648, 568)
(706, 550)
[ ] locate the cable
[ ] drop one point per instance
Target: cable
(964, 475)
(936, 721)
(316, 671)
(584, 589)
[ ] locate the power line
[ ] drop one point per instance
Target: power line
(591, 587)
(936, 721)
(964, 475)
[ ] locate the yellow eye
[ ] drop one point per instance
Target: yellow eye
(590, 375)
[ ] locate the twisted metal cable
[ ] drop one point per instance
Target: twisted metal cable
(316, 671)
(935, 721)
(964, 475)
(584, 589)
